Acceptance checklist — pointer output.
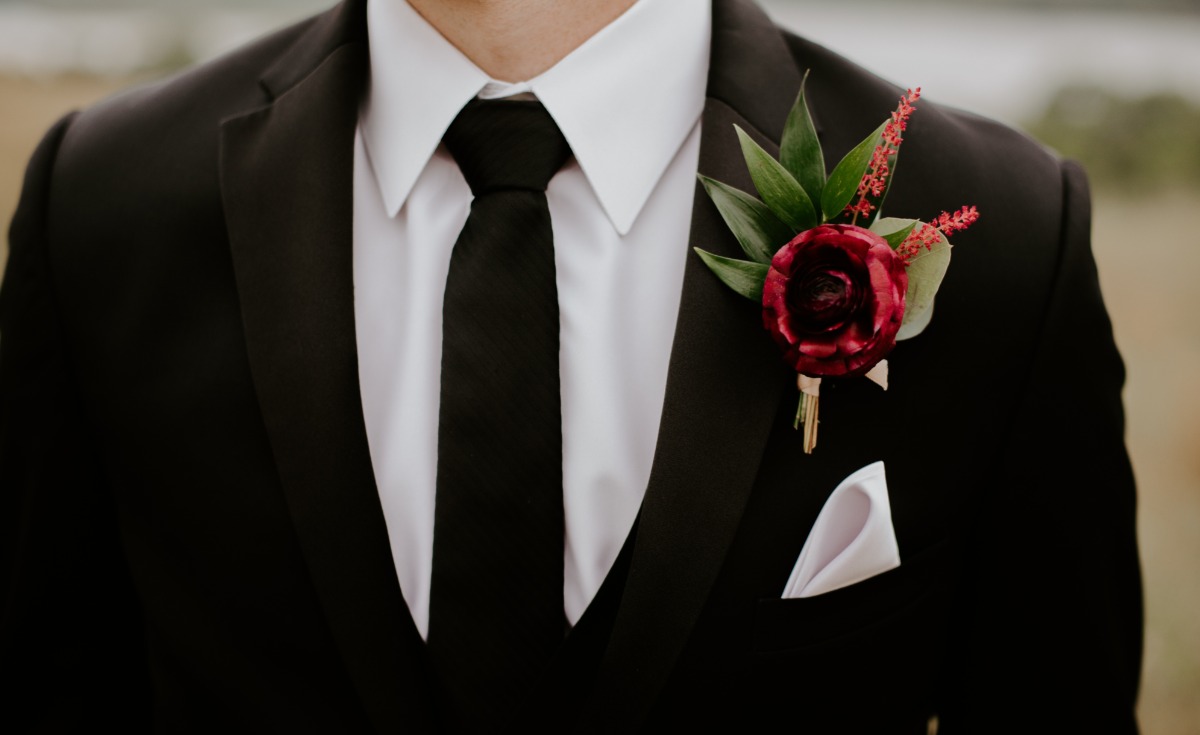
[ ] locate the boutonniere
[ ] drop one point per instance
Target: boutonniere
(839, 284)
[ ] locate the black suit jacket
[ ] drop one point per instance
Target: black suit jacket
(193, 535)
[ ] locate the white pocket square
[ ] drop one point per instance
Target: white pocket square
(852, 539)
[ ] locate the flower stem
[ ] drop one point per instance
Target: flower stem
(810, 423)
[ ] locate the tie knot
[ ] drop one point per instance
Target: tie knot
(506, 144)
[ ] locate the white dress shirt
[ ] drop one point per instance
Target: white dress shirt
(629, 102)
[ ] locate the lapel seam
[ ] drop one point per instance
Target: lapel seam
(748, 125)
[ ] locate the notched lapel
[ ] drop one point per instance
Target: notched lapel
(724, 385)
(287, 188)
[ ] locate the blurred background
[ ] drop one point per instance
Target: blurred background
(1112, 83)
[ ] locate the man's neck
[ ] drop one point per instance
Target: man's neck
(515, 40)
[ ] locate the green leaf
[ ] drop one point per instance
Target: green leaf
(777, 187)
(847, 175)
(741, 275)
(757, 229)
(925, 273)
(800, 150)
(893, 229)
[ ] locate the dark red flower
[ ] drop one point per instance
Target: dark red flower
(834, 299)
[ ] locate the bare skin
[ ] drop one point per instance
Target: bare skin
(515, 40)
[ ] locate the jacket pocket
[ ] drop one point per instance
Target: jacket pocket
(794, 623)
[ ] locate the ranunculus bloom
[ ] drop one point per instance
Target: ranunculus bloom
(834, 299)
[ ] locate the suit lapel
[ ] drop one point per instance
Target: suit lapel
(286, 178)
(724, 387)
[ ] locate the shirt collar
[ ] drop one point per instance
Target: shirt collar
(625, 100)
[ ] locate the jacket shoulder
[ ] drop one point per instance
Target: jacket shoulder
(950, 157)
(976, 145)
(171, 116)
(862, 93)
(154, 148)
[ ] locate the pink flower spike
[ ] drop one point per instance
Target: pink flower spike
(874, 181)
(957, 222)
(924, 235)
(927, 233)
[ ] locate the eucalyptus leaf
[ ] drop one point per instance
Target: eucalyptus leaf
(757, 229)
(847, 175)
(915, 325)
(800, 150)
(741, 275)
(925, 273)
(893, 229)
(778, 188)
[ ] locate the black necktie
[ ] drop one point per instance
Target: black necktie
(496, 605)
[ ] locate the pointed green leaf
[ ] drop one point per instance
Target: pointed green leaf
(800, 150)
(741, 275)
(925, 273)
(757, 229)
(893, 229)
(776, 186)
(847, 175)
